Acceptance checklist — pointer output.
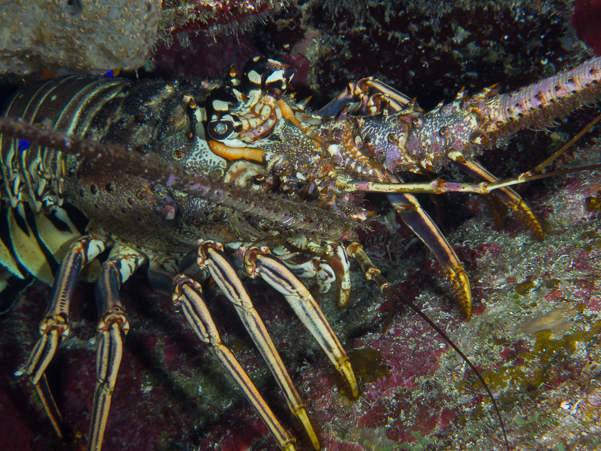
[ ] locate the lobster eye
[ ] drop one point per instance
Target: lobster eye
(220, 130)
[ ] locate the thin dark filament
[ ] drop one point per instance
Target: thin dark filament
(565, 147)
(446, 338)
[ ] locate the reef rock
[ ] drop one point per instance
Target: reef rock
(76, 35)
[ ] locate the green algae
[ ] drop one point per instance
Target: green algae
(592, 204)
(525, 287)
(552, 284)
(545, 354)
(368, 366)
(420, 444)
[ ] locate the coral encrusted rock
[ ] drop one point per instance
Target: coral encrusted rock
(76, 35)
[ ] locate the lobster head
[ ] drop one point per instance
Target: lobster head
(411, 140)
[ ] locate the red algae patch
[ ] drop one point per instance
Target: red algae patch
(586, 19)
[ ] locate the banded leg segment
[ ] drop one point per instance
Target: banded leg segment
(112, 326)
(342, 266)
(188, 294)
(260, 262)
(331, 267)
(316, 269)
(210, 256)
(370, 94)
(55, 324)
(422, 225)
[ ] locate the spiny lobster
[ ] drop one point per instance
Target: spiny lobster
(258, 180)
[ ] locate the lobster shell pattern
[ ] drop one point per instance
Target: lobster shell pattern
(102, 110)
(42, 186)
(263, 144)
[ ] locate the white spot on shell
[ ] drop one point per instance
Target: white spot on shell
(277, 75)
(220, 105)
(254, 77)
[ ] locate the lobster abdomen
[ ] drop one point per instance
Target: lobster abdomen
(41, 185)
(39, 229)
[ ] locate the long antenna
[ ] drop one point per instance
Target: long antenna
(564, 148)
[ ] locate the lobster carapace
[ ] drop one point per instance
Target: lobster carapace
(265, 181)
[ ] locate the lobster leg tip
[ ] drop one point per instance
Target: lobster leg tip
(301, 414)
(463, 293)
(347, 371)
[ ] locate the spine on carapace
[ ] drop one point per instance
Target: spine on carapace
(538, 105)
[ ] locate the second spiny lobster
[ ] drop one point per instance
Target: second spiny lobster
(229, 179)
